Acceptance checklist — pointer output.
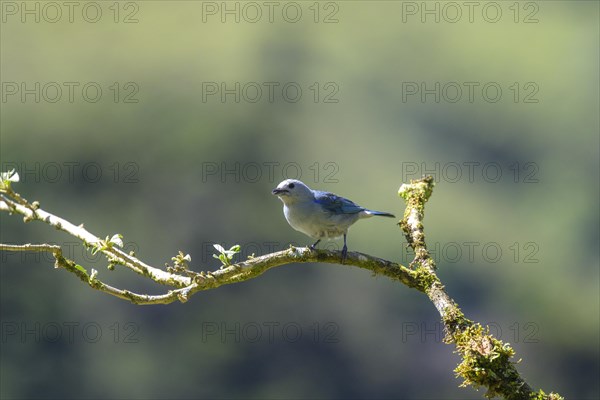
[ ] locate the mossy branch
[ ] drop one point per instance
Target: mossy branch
(486, 361)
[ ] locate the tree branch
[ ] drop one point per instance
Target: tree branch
(32, 212)
(486, 361)
(235, 273)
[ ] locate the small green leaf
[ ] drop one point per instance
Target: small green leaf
(96, 248)
(80, 268)
(226, 255)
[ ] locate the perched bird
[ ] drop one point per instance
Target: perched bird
(319, 214)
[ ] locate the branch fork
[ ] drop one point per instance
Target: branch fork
(486, 361)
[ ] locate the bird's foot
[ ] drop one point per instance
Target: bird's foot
(313, 246)
(344, 253)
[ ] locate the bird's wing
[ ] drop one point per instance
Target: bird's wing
(336, 204)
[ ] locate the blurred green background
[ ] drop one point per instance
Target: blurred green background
(179, 150)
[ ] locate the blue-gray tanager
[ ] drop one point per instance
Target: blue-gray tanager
(320, 214)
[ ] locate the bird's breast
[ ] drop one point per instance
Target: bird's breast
(314, 222)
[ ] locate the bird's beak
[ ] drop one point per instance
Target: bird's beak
(278, 191)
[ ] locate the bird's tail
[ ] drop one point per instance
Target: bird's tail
(380, 213)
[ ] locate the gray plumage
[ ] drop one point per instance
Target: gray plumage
(320, 215)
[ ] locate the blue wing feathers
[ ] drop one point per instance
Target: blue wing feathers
(336, 204)
(340, 205)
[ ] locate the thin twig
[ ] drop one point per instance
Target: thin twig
(32, 213)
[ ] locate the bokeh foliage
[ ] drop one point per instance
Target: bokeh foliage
(157, 155)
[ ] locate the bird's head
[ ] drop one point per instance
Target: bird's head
(292, 190)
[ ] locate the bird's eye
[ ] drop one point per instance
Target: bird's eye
(291, 185)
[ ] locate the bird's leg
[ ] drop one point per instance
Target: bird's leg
(344, 250)
(312, 247)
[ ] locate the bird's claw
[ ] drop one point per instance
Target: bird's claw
(344, 254)
(313, 246)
